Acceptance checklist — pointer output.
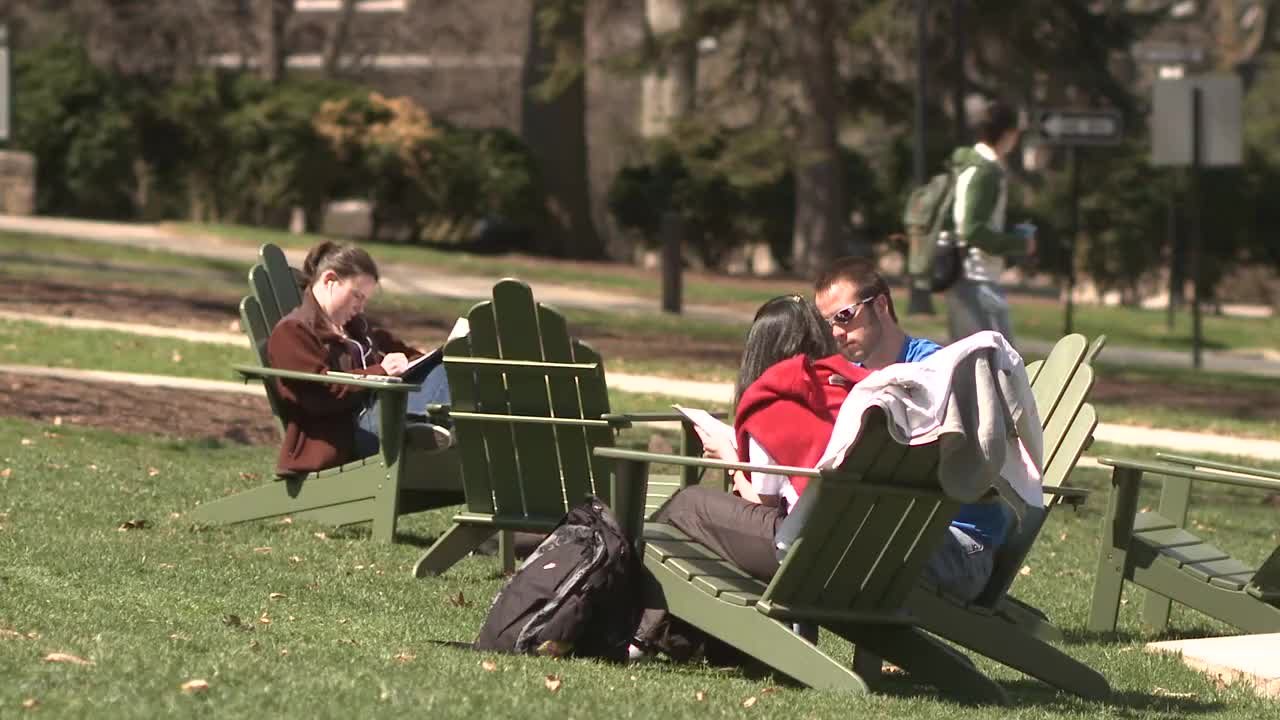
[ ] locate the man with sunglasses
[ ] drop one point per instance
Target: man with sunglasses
(854, 299)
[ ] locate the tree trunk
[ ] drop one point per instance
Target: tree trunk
(554, 125)
(336, 38)
(669, 91)
(821, 205)
(273, 22)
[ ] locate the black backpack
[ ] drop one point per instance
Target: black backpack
(577, 594)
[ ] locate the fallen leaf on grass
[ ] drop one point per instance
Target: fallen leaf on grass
(25, 441)
(29, 703)
(6, 472)
(11, 634)
(66, 658)
(264, 619)
(295, 559)
(458, 600)
(1062, 536)
(284, 651)
(167, 566)
(749, 701)
(135, 524)
(175, 515)
(405, 657)
(262, 550)
(277, 595)
(553, 683)
(57, 420)
(152, 472)
(699, 696)
(488, 665)
(286, 520)
(1026, 570)
(254, 645)
(320, 536)
(768, 690)
(1165, 692)
(177, 356)
(195, 686)
(249, 476)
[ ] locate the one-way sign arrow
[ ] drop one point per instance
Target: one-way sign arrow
(1080, 127)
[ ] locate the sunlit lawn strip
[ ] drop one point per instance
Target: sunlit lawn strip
(301, 620)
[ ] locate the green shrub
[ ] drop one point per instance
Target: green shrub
(76, 120)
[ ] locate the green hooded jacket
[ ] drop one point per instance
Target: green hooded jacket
(981, 196)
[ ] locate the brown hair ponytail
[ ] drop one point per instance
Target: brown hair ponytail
(344, 260)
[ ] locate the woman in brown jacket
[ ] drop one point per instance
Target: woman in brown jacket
(327, 425)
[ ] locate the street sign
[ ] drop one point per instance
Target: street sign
(1174, 126)
(1170, 54)
(1080, 127)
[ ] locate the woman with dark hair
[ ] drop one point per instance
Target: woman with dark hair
(328, 425)
(790, 387)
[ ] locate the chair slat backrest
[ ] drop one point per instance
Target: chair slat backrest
(867, 531)
(1061, 384)
(515, 469)
(274, 293)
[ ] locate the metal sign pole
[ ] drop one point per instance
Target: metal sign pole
(1197, 239)
(1073, 157)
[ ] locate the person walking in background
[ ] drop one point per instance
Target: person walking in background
(977, 301)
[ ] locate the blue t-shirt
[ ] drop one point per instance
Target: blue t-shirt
(985, 522)
(917, 349)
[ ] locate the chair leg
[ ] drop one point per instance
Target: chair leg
(765, 639)
(1029, 619)
(1113, 549)
(925, 658)
(1004, 642)
(507, 550)
(450, 548)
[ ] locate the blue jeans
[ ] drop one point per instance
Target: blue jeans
(961, 565)
(434, 390)
(976, 306)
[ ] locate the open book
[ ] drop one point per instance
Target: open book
(709, 424)
(460, 328)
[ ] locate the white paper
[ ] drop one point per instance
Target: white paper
(710, 424)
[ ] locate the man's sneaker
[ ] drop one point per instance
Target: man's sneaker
(428, 437)
(637, 654)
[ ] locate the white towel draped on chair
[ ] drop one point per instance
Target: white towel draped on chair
(975, 398)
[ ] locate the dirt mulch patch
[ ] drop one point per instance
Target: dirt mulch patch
(186, 414)
(118, 302)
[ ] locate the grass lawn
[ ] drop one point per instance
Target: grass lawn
(306, 621)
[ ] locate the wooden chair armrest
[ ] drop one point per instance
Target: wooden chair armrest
(1074, 497)
(706, 463)
(258, 372)
(1181, 471)
(1207, 464)
(629, 418)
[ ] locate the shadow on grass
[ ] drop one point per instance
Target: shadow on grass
(1081, 637)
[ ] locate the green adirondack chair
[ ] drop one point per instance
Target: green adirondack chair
(402, 478)
(529, 404)
(866, 531)
(1153, 550)
(996, 624)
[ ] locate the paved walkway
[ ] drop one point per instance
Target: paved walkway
(425, 281)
